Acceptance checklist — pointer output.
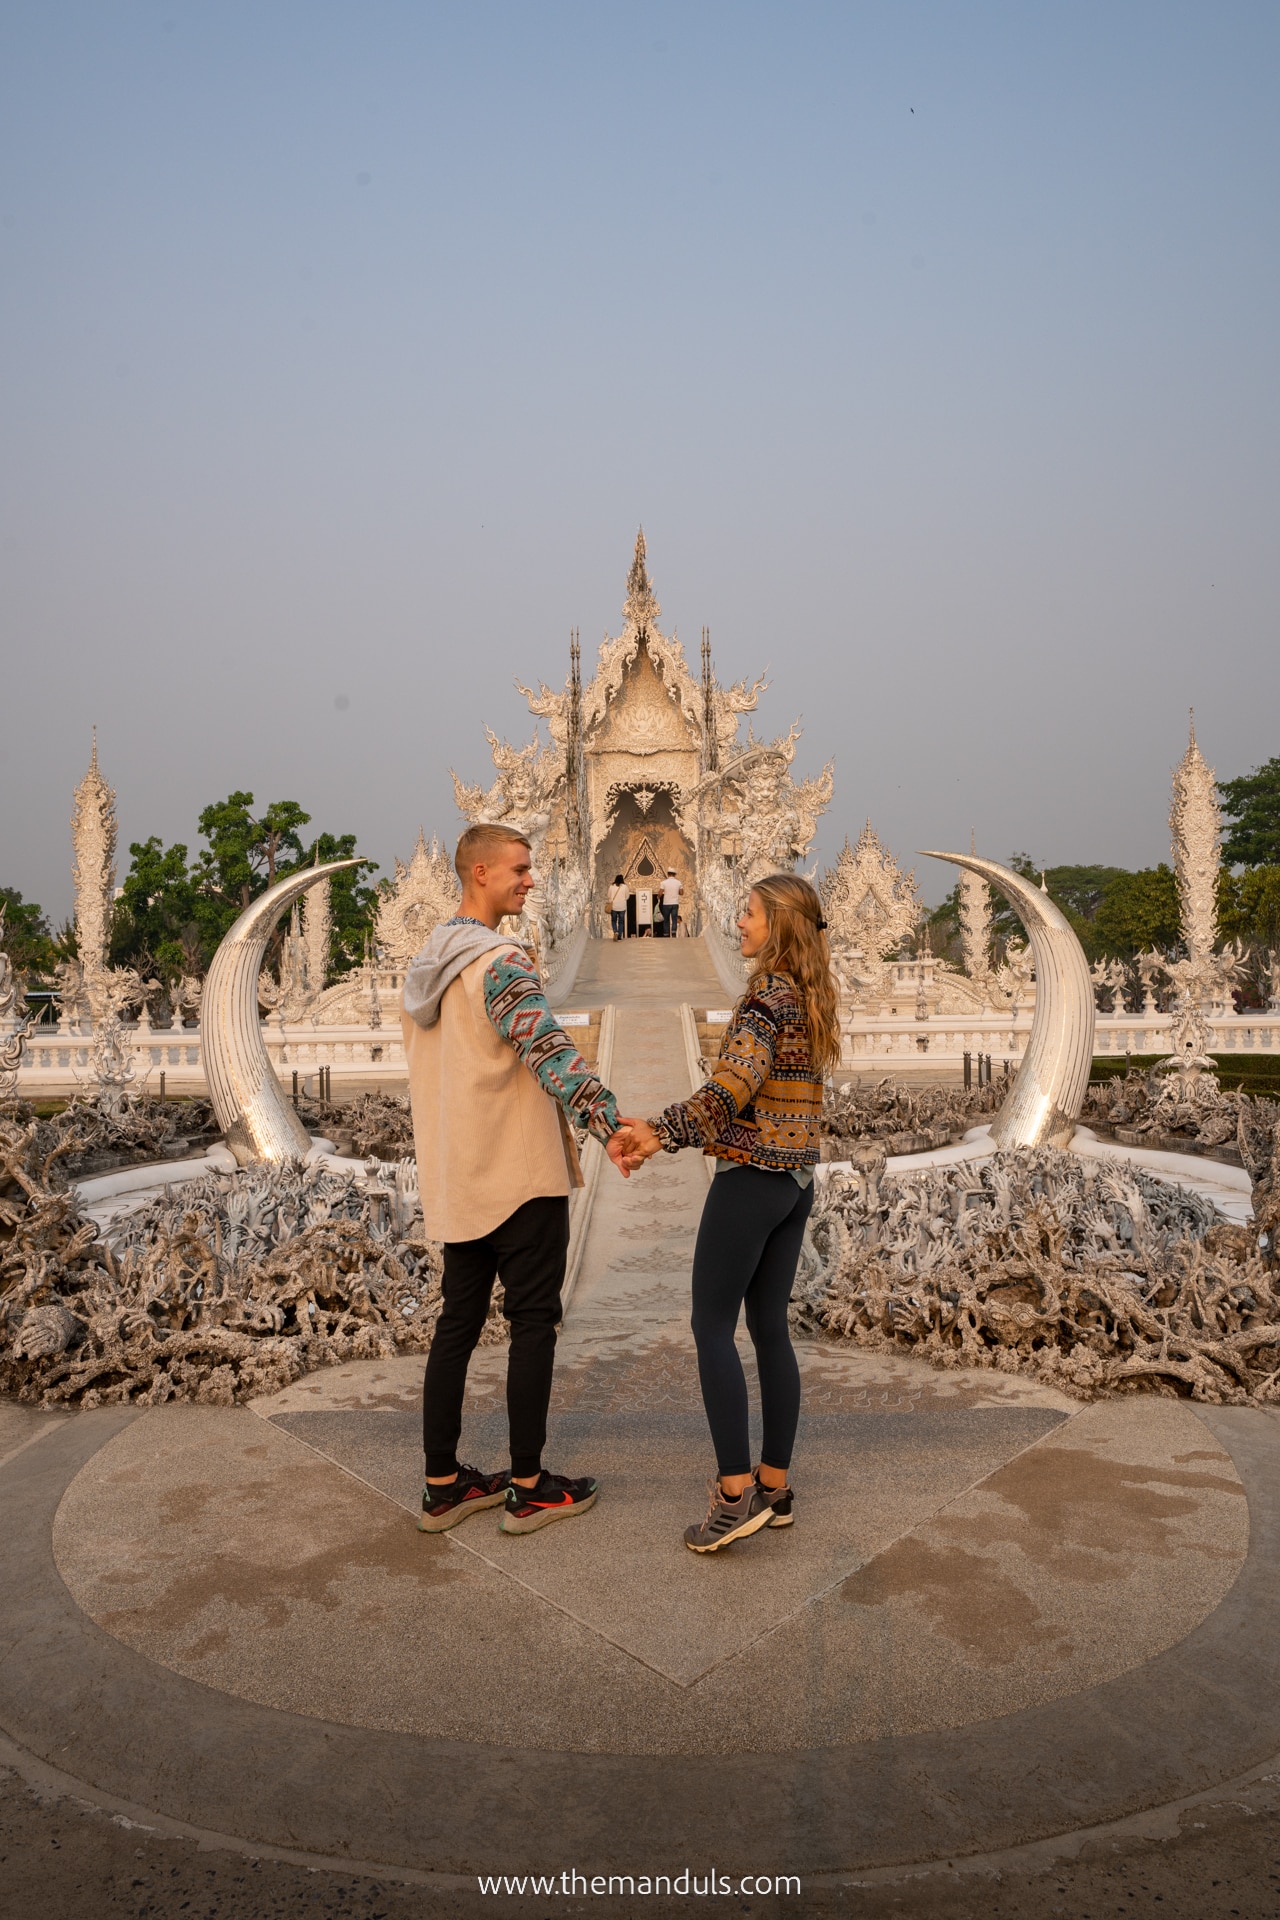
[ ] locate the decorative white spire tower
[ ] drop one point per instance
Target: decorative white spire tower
(975, 920)
(317, 925)
(93, 841)
(1195, 820)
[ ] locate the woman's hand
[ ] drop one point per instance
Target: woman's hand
(642, 1142)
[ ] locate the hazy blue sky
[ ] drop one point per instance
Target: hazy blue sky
(344, 347)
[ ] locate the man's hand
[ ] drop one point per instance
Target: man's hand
(619, 1148)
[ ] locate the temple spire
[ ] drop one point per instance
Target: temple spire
(93, 841)
(710, 733)
(640, 609)
(1196, 823)
(573, 748)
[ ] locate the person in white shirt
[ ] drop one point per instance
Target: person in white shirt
(671, 891)
(618, 907)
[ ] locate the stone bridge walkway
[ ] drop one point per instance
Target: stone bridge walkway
(1002, 1615)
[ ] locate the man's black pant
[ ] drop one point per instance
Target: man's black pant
(527, 1253)
(671, 915)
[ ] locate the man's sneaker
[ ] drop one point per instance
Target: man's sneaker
(554, 1498)
(729, 1519)
(472, 1491)
(782, 1500)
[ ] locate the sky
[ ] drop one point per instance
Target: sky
(343, 349)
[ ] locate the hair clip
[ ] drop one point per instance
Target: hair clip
(822, 925)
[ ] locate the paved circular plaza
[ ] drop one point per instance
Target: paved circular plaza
(1003, 1615)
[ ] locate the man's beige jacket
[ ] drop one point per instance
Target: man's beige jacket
(487, 1137)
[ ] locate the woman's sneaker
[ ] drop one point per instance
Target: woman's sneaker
(554, 1498)
(729, 1520)
(471, 1492)
(782, 1500)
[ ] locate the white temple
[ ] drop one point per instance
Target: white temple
(645, 770)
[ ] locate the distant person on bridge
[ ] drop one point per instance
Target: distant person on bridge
(496, 1087)
(758, 1114)
(671, 891)
(618, 907)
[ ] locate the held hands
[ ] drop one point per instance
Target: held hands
(633, 1144)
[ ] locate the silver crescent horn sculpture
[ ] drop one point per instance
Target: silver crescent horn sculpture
(247, 1098)
(1048, 1094)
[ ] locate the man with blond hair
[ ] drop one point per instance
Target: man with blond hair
(496, 1087)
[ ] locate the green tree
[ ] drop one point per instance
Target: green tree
(1249, 906)
(227, 866)
(243, 857)
(1138, 911)
(157, 918)
(1252, 804)
(171, 915)
(1081, 890)
(278, 836)
(246, 854)
(27, 937)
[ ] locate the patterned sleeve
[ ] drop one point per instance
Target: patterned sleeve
(518, 1010)
(745, 1063)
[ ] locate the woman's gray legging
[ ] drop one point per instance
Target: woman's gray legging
(748, 1249)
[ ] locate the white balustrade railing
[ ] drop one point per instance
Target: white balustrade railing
(58, 1060)
(944, 1039)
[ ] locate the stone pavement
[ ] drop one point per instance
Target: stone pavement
(1004, 1618)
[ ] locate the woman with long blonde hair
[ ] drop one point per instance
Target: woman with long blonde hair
(758, 1116)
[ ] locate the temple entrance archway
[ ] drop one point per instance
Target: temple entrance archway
(642, 843)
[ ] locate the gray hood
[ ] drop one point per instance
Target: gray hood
(447, 953)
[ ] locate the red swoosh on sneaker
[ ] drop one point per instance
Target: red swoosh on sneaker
(565, 1500)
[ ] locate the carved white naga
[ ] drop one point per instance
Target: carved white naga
(523, 798)
(522, 795)
(779, 815)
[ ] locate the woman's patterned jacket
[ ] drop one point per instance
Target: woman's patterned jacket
(762, 1104)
